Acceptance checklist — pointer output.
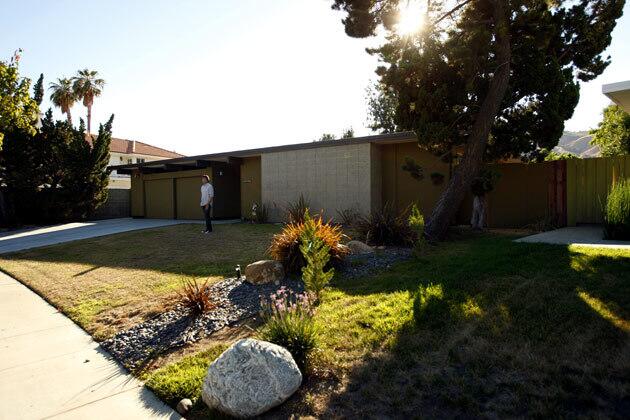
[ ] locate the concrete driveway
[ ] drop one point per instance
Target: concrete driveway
(42, 236)
(587, 235)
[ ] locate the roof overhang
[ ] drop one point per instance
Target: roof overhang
(619, 93)
(205, 161)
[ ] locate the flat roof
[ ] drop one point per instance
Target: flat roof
(619, 93)
(193, 162)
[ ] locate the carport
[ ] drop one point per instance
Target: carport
(170, 189)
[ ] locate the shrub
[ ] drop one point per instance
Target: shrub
(617, 212)
(295, 211)
(348, 217)
(260, 213)
(285, 246)
(197, 298)
(416, 223)
(385, 227)
(289, 323)
(316, 254)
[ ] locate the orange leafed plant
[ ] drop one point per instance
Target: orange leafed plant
(285, 246)
(196, 297)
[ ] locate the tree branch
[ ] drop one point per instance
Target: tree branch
(452, 11)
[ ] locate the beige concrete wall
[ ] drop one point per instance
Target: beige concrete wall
(332, 178)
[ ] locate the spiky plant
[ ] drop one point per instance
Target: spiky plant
(285, 246)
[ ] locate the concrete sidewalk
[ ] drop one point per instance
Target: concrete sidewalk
(42, 236)
(50, 368)
(587, 235)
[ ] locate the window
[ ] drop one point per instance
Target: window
(139, 160)
(121, 159)
(129, 160)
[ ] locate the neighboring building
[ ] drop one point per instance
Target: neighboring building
(360, 173)
(126, 152)
(619, 93)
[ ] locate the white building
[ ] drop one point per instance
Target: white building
(123, 152)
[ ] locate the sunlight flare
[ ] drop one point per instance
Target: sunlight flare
(410, 17)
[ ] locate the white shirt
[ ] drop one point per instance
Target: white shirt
(207, 193)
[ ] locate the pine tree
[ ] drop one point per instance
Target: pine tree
(485, 78)
(316, 254)
(38, 90)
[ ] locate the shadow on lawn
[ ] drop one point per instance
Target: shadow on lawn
(502, 330)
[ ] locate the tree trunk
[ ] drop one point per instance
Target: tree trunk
(89, 118)
(463, 175)
(478, 219)
(69, 116)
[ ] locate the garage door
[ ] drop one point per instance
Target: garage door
(158, 196)
(188, 195)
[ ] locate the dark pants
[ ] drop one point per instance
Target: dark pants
(207, 214)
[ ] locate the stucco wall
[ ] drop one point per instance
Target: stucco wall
(332, 178)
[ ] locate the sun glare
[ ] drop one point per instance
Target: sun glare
(410, 18)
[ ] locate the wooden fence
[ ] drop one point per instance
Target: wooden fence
(588, 184)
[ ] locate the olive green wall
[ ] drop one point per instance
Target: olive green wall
(250, 185)
(153, 195)
(399, 188)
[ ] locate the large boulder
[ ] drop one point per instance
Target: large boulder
(263, 272)
(249, 378)
(359, 248)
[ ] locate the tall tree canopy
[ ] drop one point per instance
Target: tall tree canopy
(17, 109)
(487, 78)
(613, 133)
(87, 86)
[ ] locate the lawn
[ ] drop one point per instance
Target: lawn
(110, 283)
(478, 327)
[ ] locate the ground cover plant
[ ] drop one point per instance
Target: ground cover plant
(480, 326)
(110, 283)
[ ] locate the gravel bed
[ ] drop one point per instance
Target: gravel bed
(237, 300)
(362, 265)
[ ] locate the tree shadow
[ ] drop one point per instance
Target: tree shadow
(499, 329)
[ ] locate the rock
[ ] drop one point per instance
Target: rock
(358, 248)
(264, 272)
(250, 378)
(184, 406)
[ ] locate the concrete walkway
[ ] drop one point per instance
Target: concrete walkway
(588, 235)
(51, 369)
(42, 236)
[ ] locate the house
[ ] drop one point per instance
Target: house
(125, 152)
(359, 173)
(619, 93)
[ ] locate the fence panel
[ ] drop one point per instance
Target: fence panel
(588, 184)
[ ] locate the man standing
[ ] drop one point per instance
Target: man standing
(207, 197)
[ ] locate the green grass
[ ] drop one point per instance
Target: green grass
(474, 328)
(110, 283)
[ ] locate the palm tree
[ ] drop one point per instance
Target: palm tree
(87, 87)
(63, 96)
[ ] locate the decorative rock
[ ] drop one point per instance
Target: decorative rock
(358, 248)
(250, 378)
(264, 272)
(184, 406)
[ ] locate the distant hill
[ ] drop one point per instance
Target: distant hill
(578, 143)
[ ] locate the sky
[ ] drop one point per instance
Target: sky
(213, 76)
